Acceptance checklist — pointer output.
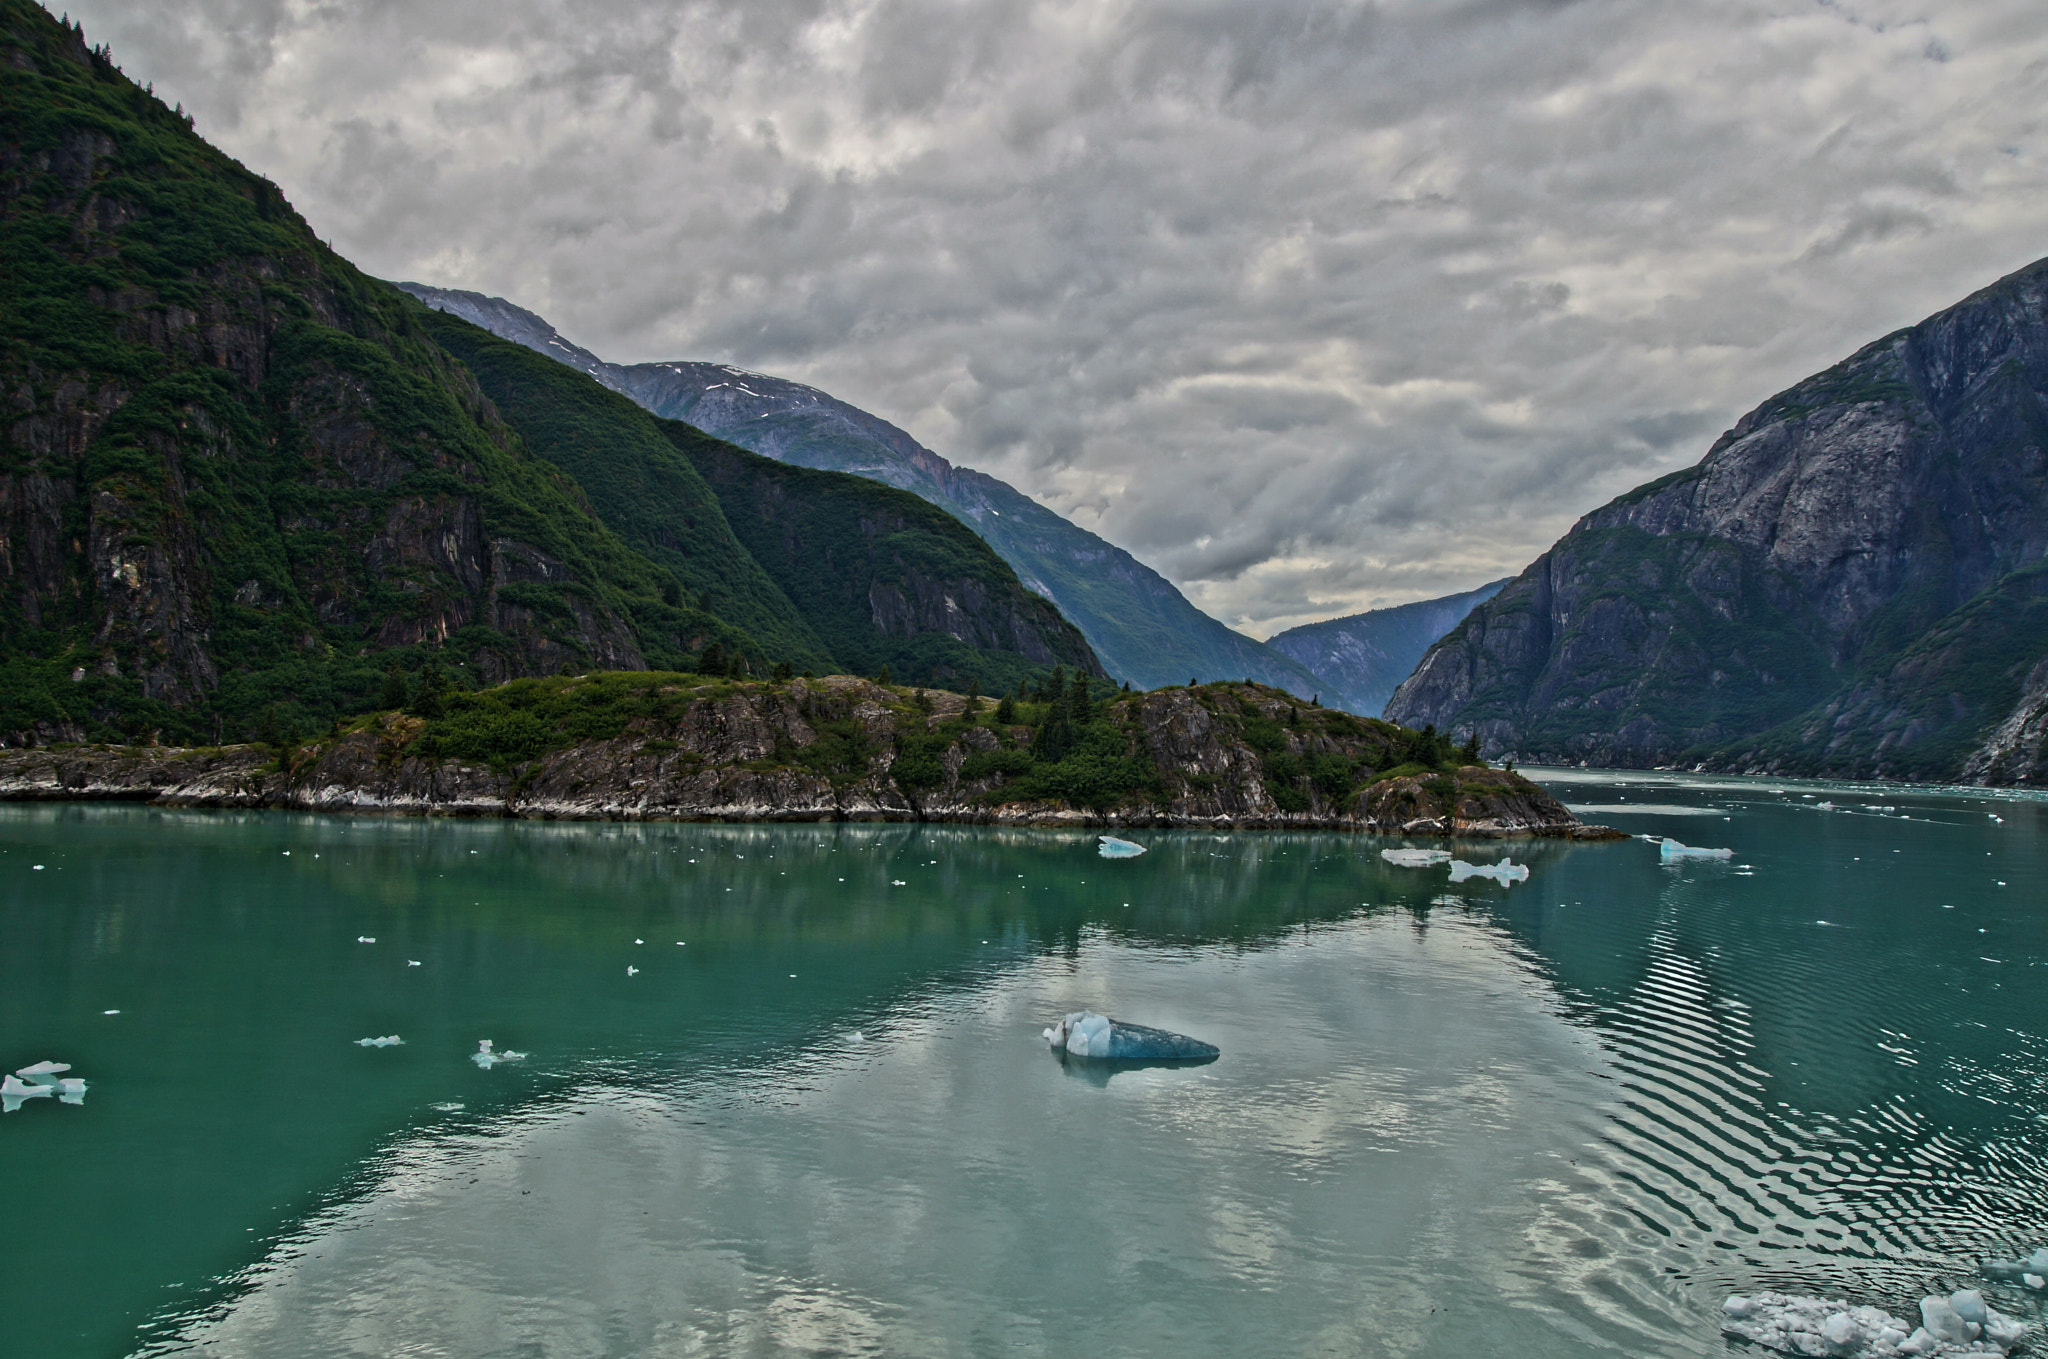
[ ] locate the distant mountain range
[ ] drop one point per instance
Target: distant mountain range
(1851, 582)
(1143, 628)
(1364, 657)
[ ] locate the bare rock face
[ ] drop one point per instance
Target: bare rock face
(843, 748)
(1848, 583)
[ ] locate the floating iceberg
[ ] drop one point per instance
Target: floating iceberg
(2032, 1271)
(486, 1058)
(1670, 850)
(1416, 858)
(1087, 1034)
(389, 1040)
(1113, 848)
(40, 1081)
(1960, 1323)
(1506, 873)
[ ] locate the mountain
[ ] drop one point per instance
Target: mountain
(1362, 658)
(1143, 628)
(1851, 582)
(829, 571)
(241, 478)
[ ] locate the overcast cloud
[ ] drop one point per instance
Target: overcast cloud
(1312, 306)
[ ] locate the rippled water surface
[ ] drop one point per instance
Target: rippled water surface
(1561, 1118)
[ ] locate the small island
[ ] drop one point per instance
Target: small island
(661, 746)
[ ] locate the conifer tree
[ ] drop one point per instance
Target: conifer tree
(712, 661)
(394, 696)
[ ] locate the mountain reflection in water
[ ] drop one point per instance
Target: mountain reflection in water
(1563, 1117)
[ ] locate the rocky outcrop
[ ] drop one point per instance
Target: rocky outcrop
(760, 753)
(1837, 588)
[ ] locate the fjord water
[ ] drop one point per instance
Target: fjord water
(1561, 1118)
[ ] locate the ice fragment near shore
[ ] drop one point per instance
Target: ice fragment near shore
(486, 1058)
(1087, 1034)
(1958, 1324)
(1113, 848)
(1669, 850)
(40, 1081)
(389, 1040)
(1506, 872)
(2032, 1271)
(1416, 858)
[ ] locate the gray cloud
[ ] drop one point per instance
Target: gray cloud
(1313, 304)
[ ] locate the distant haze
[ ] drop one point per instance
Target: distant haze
(1315, 307)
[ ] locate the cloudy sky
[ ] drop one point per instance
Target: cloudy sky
(1314, 306)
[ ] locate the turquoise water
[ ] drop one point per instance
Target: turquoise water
(1560, 1118)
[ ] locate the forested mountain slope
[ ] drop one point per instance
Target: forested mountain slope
(240, 480)
(1143, 628)
(838, 573)
(1850, 582)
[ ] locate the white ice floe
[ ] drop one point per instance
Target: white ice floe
(366, 939)
(40, 1081)
(1669, 850)
(632, 971)
(1960, 1323)
(1507, 873)
(1113, 848)
(2032, 1271)
(1087, 1034)
(389, 1040)
(486, 1058)
(1416, 858)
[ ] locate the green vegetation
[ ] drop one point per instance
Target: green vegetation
(884, 578)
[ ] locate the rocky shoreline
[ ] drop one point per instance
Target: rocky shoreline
(737, 754)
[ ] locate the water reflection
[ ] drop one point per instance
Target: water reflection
(1560, 1118)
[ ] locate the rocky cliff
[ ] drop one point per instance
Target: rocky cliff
(836, 749)
(1362, 658)
(1143, 628)
(1850, 582)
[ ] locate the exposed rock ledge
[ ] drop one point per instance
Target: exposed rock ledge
(737, 756)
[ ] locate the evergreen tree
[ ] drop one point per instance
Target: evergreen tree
(737, 667)
(1079, 707)
(268, 733)
(1006, 711)
(712, 661)
(784, 672)
(1469, 752)
(428, 690)
(1055, 736)
(394, 696)
(883, 677)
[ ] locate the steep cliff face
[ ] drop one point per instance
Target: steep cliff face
(233, 466)
(838, 749)
(1362, 658)
(1843, 585)
(1143, 628)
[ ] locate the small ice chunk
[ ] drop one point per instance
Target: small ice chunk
(1941, 1321)
(1841, 1329)
(366, 939)
(36, 1074)
(389, 1040)
(486, 1057)
(1669, 850)
(1416, 858)
(2034, 1281)
(412, 962)
(1506, 872)
(632, 971)
(1113, 848)
(1969, 1305)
